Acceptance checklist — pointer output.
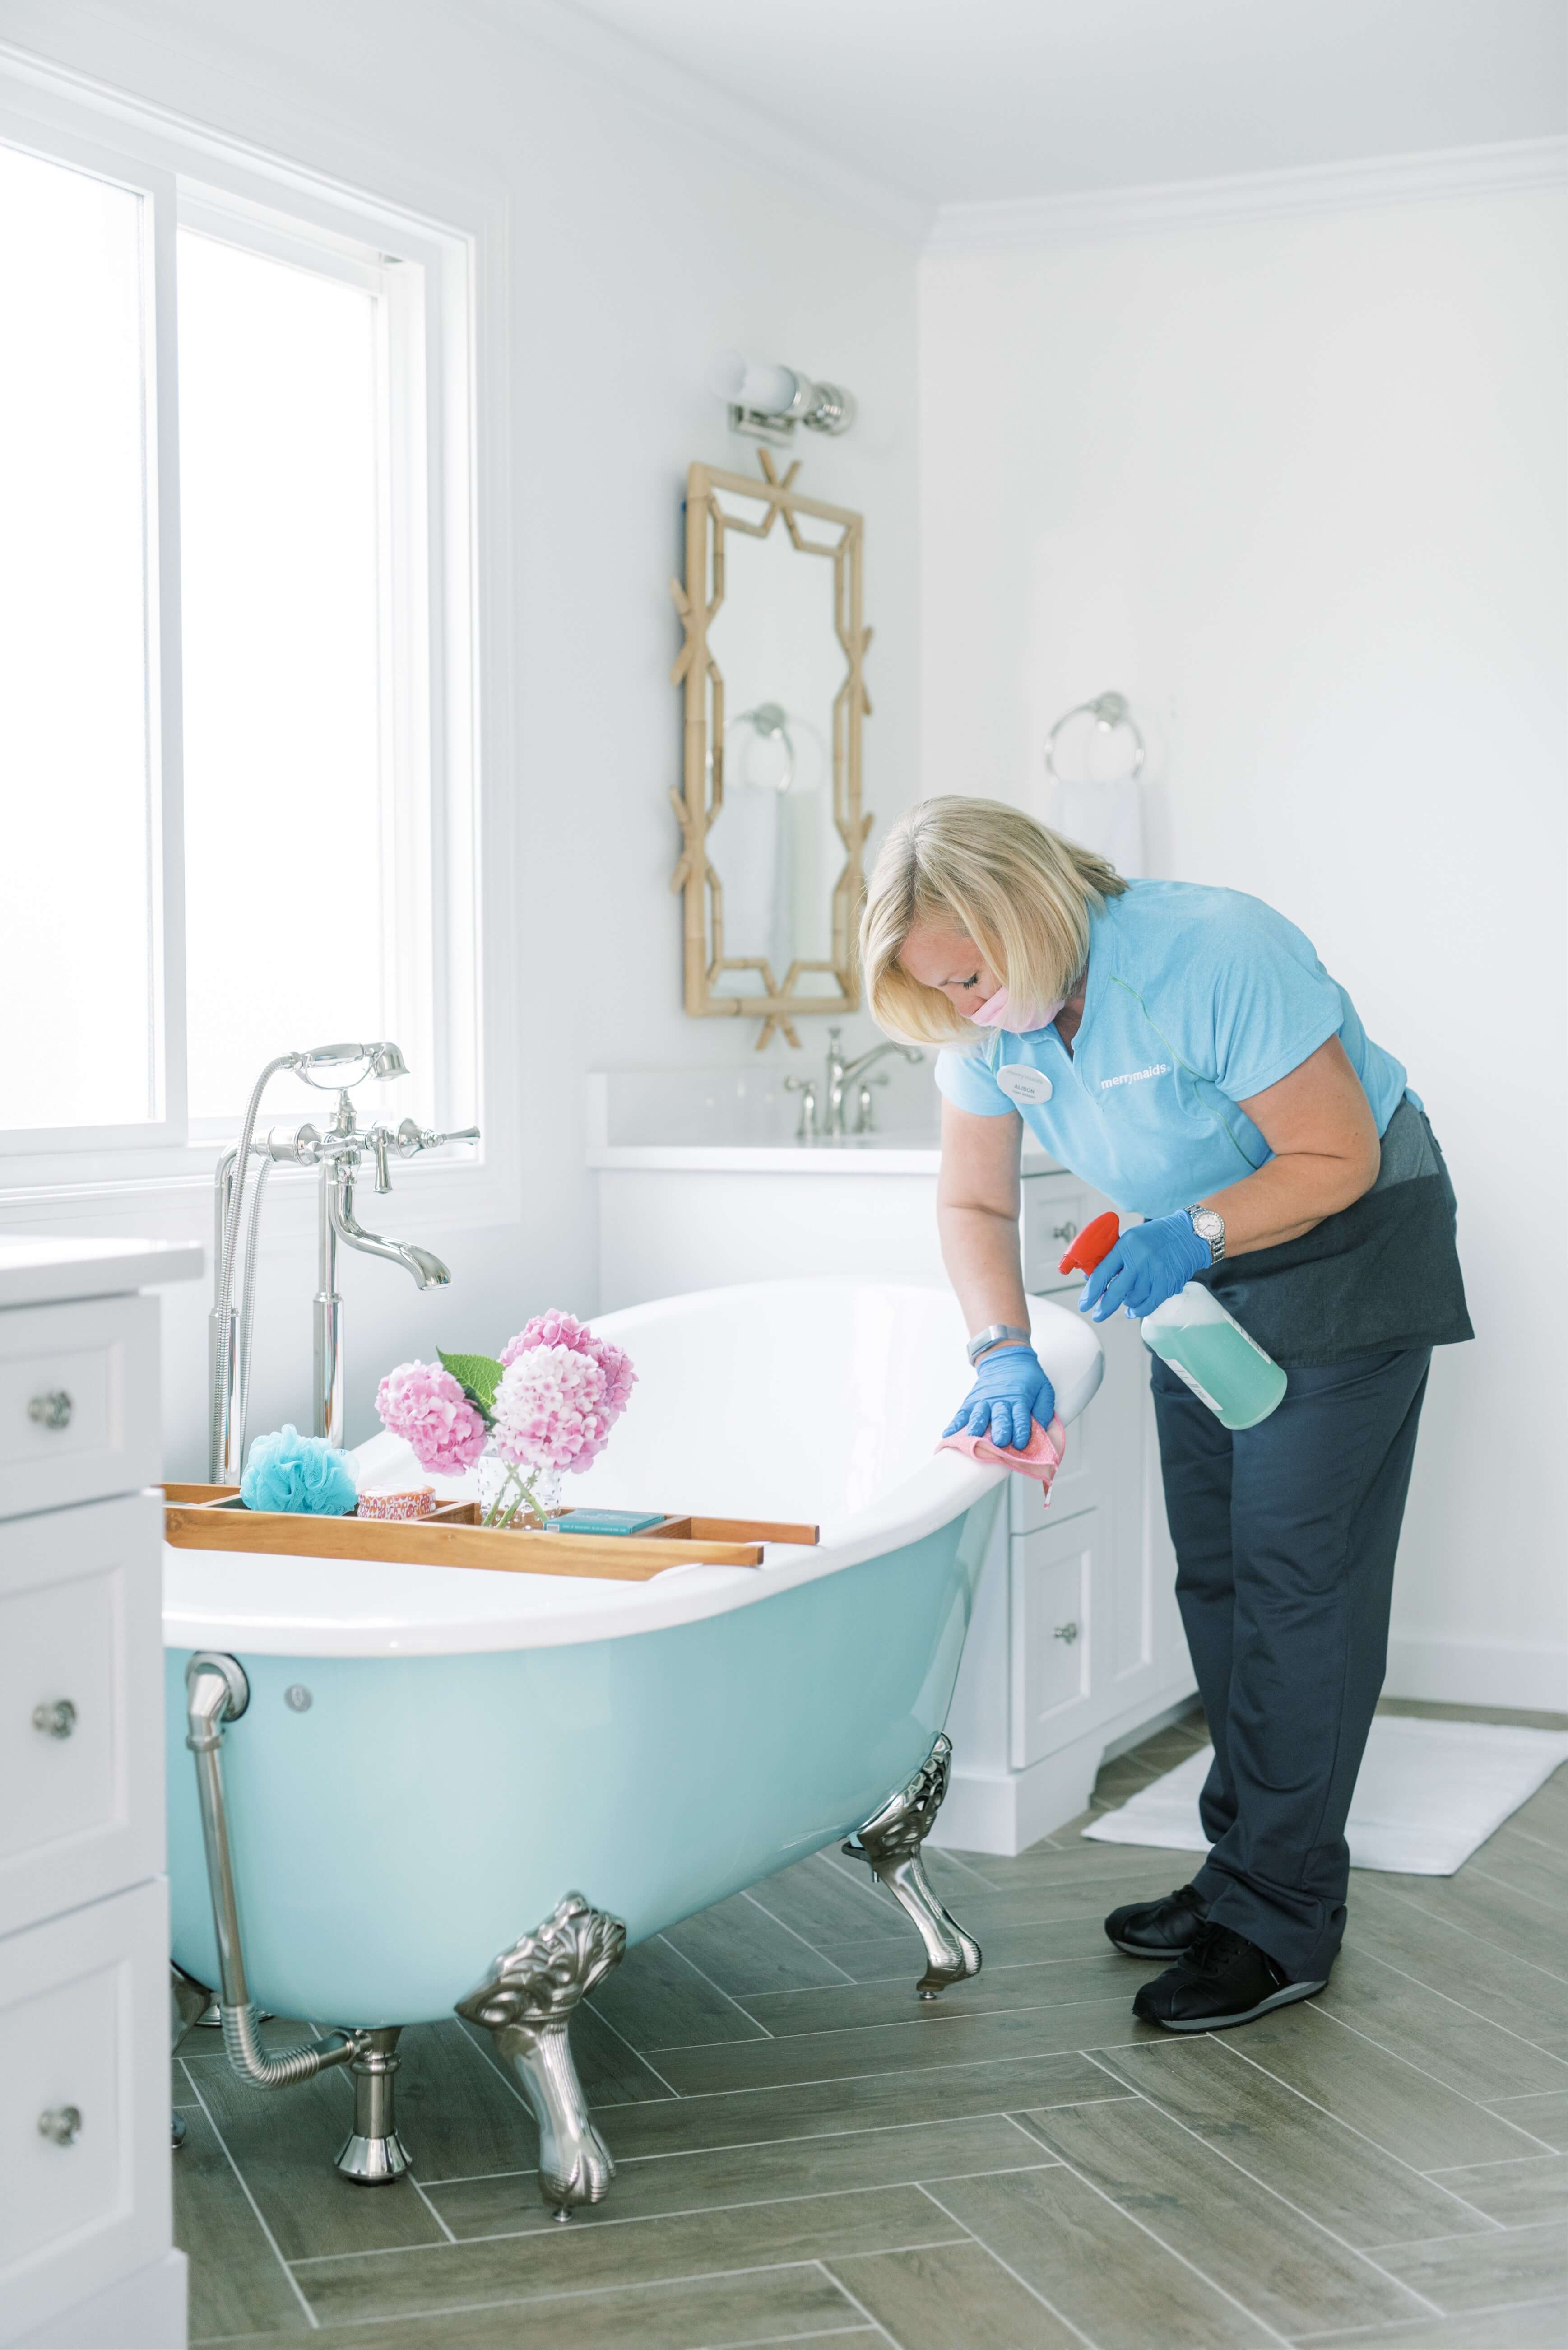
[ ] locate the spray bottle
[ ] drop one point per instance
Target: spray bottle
(1206, 1347)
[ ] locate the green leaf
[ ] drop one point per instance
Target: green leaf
(479, 1375)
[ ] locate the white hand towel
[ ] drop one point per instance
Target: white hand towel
(1108, 819)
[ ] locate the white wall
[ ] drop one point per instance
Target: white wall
(636, 246)
(1295, 487)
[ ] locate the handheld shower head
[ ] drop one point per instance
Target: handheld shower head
(329, 1056)
(383, 1060)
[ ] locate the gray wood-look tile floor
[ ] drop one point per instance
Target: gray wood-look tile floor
(806, 2155)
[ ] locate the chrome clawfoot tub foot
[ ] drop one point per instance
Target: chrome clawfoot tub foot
(373, 2153)
(527, 2003)
(890, 1842)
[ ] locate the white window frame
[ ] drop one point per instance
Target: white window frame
(443, 412)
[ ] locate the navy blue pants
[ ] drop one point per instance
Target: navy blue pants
(1285, 1537)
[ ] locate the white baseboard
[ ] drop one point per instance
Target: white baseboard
(1177, 1710)
(145, 2310)
(1008, 1813)
(1005, 1811)
(1478, 1672)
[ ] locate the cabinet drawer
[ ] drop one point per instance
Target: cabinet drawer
(81, 1746)
(1052, 1578)
(1055, 1209)
(1104, 1465)
(1082, 1482)
(78, 1402)
(84, 2044)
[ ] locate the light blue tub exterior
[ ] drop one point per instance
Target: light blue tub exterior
(425, 1812)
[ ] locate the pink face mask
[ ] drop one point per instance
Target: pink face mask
(997, 1013)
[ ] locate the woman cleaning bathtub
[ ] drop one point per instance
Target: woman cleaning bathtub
(1183, 1050)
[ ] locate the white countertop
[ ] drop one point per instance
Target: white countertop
(46, 1270)
(874, 1154)
(733, 1121)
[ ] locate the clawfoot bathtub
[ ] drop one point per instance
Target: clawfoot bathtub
(408, 1770)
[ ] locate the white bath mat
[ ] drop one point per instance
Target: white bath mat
(1428, 1794)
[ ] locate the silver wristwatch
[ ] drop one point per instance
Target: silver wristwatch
(1000, 1334)
(1209, 1225)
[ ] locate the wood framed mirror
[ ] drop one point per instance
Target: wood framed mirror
(773, 673)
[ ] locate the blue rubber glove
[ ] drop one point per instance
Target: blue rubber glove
(1010, 1390)
(1149, 1264)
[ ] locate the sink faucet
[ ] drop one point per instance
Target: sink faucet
(840, 1076)
(806, 1089)
(843, 1073)
(338, 1151)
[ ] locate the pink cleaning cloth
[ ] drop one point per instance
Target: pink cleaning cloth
(1040, 1457)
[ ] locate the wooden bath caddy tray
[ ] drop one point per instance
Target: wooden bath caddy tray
(213, 1517)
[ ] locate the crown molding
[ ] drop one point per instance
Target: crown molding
(1027, 220)
(737, 130)
(665, 93)
(275, 146)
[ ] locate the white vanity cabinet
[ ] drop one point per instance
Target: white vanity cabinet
(1075, 1646)
(86, 2251)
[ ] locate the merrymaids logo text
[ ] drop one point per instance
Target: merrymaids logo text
(1136, 1076)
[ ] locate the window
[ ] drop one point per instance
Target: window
(78, 972)
(236, 683)
(280, 591)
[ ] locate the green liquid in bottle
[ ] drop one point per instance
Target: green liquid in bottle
(1232, 1375)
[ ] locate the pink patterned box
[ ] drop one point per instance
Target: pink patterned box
(417, 1503)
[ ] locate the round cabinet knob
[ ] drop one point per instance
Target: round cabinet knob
(50, 1410)
(1068, 1632)
(56, 1721)
(59, 2125)
(1068, 1231)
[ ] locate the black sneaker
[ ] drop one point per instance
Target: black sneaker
(1157, 1929)
(1220, 1980)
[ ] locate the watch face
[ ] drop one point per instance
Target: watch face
(1209, 1224)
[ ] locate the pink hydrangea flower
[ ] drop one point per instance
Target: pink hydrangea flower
(552, 1329)
(557, 1329)
(619, 1377)
(553, 1410)
(423, 1403)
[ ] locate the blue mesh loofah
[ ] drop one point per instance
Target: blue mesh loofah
(290, 1471)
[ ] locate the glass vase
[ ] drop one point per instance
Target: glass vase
(512, 1496)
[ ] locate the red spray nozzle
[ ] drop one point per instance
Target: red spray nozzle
(1096, 1240)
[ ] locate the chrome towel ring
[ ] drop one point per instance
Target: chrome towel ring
(771, 720)
(1109, 710)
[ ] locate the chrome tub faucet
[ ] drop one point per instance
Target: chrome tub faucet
(338, 1151)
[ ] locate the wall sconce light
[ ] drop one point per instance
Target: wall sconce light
(768, 401)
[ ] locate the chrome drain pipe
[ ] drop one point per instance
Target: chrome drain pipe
(217, 1692)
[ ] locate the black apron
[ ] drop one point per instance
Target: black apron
(1382, 1275)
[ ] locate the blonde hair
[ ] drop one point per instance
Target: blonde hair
(1023, 894)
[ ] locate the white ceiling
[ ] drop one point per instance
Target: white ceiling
(953, 102)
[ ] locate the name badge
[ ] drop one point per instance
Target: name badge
(1022, 1084)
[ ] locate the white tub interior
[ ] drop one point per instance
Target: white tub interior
(817, 1400)
(789, 1399)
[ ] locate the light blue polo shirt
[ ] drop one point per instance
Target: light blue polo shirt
(1196, 1000)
